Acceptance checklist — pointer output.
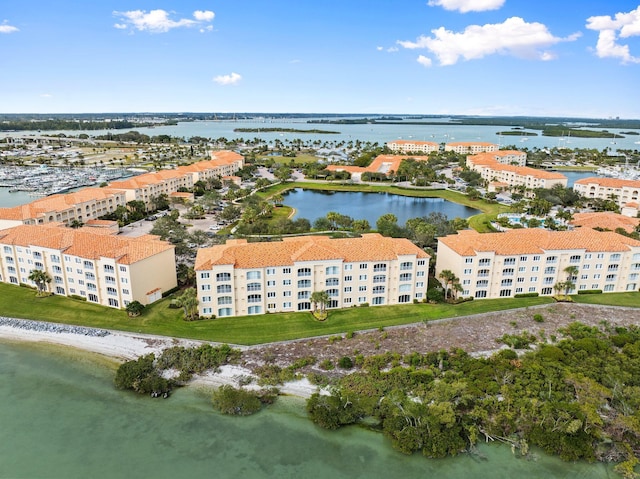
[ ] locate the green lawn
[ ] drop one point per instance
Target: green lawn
(159, 319)
(610, 299)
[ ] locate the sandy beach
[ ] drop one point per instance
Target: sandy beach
(124, 346)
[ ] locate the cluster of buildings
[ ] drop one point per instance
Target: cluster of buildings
(93, 262)
(242, 278)
(626, 193)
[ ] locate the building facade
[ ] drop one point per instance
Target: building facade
(502, 167)
(102, 268)
(494, 265)
(470, 147)
(241, 278)
(626, 193)
(408, 146)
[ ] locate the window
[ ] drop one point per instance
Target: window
(608, 287)
(468, 260)
(333, 293)
(420, 284)
(403, 288)
(223, 276)
(614, 257)
(404, 298)
(37, 254)
(223, 288)
(109, 269)
(347, 289)
(286, 282)
(362, 288)
(575, 258)
(55, 258)
(506, 282)
(420, 274)
(421, 262)
(92, 297)
(508, 272)
(204, 275)
(271, 271)
(348, 278)
(90, 276)
(377, 300)
(509, 261)
(304, 283)
(552, 259)
(253, 275)
(405, 277)
(536, 258)
(332, 282)
(585, 266)
(406, 266)
(286, 270)
(304, 306)
(113, 302)
(466, 282)
(348, 267)
(123, 269)
(518, 290)
(467, 271)
(505, 293)
(224, 300)
(206, 287)
(550, 270)
(254, 287)
(535, 269)
(364, 265)
(483, 272)
(255, 309)
(7, 249)
(520, 280)
(378, 290)
(254, 298)
(484, 262)
(483, 283)
(271, 294)
(110, 280)
(613, 267)
(271, 283)
(332, 270)
(304, 294)
(523, 259)
(611, 277)
(88, 264)
(205, 299)
(271, 305)
(522, 269)
(286, 305)
(362, 277)
(380, 278)
(380, 267)
(224, 312)
(304, 271)
(347, 300)
(481, 294)
(600, 255)
(547, 290)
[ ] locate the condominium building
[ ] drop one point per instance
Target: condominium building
(103, 268)
(385, 164)
(470, 147)
(222, 163)
(148, 186)
(240, 278)
(83, 205)
(493, 265)
(623, 192)
(501, 167)
(409, 146)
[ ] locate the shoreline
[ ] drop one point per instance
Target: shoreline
(122, 346)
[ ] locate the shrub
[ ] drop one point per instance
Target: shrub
(518, 341)
(345, 362)
(525, 295)
(589, 291)
(538, 318)
(327, 365)
(237, 402)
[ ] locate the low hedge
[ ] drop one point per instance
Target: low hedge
(525, 295)
(589, 291)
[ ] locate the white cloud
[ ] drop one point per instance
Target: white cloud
(158, 21)
(203, 15)
(231, 79)
(513, 37)
(623, 25)
(6, 28)
(425, 61)
(464, 6)
(388, 50)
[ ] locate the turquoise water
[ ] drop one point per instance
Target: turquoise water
(61, 418)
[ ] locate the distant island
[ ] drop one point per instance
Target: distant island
(284, 130)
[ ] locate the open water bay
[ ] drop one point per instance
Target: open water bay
(62, 418)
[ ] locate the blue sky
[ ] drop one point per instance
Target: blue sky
(478, 57)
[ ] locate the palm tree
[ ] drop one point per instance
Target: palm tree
(448, 278)
(319, 298)
(188, 301)
(41, 278)
(572, 276)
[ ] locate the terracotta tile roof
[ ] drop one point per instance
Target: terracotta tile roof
(529, 241)
(488, 160)
(606, 220)
(411, 142)
(471, 143)
(608, 182)
(385, 163)
(85, 243)
(370, 247)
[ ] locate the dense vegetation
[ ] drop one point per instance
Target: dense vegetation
(285, 130)
(578, 398)
(60, 124)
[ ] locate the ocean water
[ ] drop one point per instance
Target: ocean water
(62, 418)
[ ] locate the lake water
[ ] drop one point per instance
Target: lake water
(314, 204)
(62, 418)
